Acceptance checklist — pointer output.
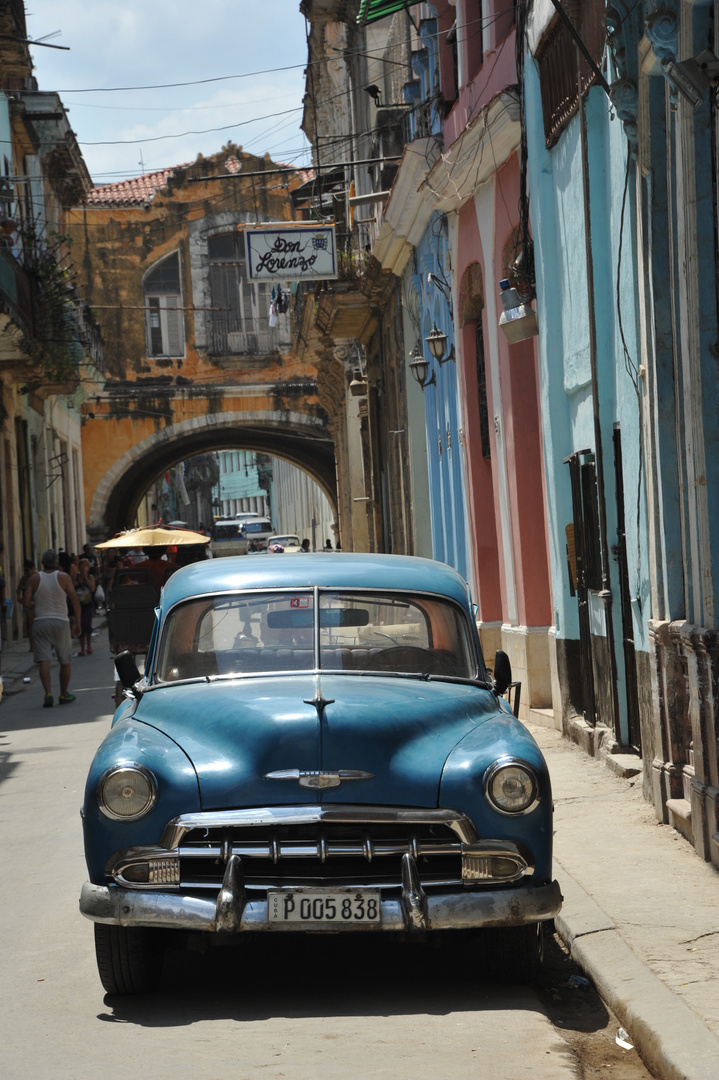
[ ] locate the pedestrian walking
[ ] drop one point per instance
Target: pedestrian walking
(85, 586)
(88, 552)
(28, 569)
(305, 545)
(47, 593)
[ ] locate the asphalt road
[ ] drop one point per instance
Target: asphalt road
(304, 1009)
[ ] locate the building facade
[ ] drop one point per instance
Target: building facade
(539, 180)
(50, 345)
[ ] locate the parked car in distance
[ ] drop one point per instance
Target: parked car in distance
(288, 542)
(316, 745)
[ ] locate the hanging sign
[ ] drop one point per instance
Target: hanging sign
(291, 253)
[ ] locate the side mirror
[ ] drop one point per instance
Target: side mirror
(127, 670)
(502, 671)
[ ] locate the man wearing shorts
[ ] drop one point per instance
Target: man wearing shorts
(48, 593)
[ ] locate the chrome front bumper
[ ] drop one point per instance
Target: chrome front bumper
(232, 911)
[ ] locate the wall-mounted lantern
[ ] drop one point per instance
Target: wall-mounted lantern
(436, 341)
(420, 368)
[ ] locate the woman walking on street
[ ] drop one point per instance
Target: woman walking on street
(85, 588)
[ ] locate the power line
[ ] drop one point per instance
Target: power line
(183, 134)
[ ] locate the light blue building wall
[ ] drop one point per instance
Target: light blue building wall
(568, 402)
(238, 488)
(444, 452)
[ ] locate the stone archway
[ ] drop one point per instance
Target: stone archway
(301, 439)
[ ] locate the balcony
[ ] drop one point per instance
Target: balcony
(248, 337)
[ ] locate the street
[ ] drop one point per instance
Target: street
(302, 1008)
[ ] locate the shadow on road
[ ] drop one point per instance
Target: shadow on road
(320, 976)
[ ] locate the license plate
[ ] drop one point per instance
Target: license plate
(340, 908)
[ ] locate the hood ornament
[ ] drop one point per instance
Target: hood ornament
(319, 778)
(319, 700)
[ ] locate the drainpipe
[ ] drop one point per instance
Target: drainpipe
(605, 594)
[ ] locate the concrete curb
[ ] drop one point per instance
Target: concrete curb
(671, 1039)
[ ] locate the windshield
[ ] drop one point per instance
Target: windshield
(358, 632)
(227, 530)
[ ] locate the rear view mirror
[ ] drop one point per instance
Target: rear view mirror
(299, 618)
(502, 671)
(127, 669)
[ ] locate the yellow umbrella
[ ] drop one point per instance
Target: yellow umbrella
(154, 536)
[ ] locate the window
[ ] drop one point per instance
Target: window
(559, 68)
(164, 322)
(249, 634)
(482, 391)
(241, 315)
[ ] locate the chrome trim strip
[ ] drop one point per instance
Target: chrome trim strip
(321, 848)
(176, 829)
(319, 778)
(451, 911)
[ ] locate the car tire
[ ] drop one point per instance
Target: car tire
(129, 959)
(514, 954)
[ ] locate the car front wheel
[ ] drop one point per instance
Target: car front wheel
(129, 959)
(513, 954)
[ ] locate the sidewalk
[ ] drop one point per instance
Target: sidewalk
(18, 664)
(641, 912)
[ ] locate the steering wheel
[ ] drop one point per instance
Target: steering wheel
(378, 633)
(409, 659)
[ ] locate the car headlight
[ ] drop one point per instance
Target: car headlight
(126, 792)
(511, 786)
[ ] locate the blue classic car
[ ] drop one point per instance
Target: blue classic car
(315, 744)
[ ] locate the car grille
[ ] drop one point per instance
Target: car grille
(336, 854)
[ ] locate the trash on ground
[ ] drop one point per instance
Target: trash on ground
(622, 1040)
(578, 982)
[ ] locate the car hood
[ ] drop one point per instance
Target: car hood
(400, 731)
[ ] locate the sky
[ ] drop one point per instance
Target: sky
(255, 51)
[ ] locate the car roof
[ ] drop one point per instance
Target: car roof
(337, 570)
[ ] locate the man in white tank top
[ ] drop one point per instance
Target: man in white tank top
(46, 595)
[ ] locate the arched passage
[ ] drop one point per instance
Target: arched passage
(300, 439)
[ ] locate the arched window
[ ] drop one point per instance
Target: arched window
(164, 322)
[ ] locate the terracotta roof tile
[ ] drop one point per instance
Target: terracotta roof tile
(133, 192)
(140, 189)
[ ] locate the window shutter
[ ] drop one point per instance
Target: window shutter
(175, 343)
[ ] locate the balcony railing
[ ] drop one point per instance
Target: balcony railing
(251, 337)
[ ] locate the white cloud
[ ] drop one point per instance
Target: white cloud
(153, 42)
